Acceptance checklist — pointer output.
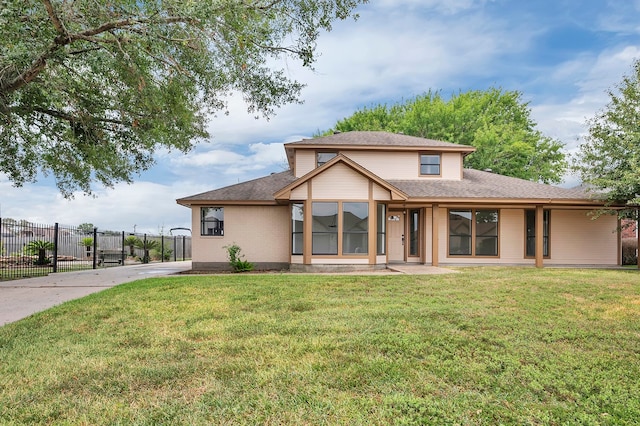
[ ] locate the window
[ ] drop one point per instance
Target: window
(324, 239)
(486, 233)
(297, 228)
(414, 237)
(355, 228)
(212, 221)
(473, 232)
(430, 164)
(460, 232)
(530, 216)
(324, 157)
(381, 225)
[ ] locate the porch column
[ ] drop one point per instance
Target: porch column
(638, 235)
(539, 236)
(435, 218)
(307, 233)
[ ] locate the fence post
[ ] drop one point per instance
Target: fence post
(122, 255)
(175, 248)
(55, 248)
(183, 247)
(95, 247)
(162, 248)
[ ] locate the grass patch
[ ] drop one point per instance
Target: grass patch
(486, 346)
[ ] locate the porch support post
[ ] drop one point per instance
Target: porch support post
(307, 233)
(435, 219)
(539, 236)
(638, 235)
(372, 230)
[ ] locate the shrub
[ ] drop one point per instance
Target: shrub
(39, 248)
(236, 259)
(629, 246)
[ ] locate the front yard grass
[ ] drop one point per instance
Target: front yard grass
(485, 346)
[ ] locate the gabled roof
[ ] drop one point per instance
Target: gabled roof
(358, 140)
(284, 193)
(256, 191)
(477, 185)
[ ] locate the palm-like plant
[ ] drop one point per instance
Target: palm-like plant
(39, 247)
(132, 241)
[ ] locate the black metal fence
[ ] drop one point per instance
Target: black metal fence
(30, 250)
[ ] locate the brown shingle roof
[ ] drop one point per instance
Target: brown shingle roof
(256, 190)
(391, 140)
(477, 184)
(374, 141)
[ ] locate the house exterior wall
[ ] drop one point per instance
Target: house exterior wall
(305, 161)
(577, 239)
(340, 182)
(387, 164)
(262, 232)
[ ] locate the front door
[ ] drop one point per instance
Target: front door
(395, 227)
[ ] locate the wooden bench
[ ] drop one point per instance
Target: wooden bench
(110, 256)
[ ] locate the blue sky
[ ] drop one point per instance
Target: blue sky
(562, 55)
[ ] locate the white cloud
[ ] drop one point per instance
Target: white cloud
(150, 206)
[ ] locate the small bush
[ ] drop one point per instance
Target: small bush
(629, 246)
(236, 259)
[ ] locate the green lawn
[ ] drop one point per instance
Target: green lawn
(485, 346)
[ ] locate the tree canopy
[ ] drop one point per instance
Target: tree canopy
(89, 90)
(609, 159)
(497, 122)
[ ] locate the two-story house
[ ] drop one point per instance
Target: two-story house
(369, 199)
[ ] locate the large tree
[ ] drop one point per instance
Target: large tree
(90, 89)
(609, 159)
(497, 122)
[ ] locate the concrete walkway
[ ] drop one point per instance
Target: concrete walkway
(418, 269)
(21, 298)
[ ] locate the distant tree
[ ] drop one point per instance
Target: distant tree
(86, 228)
(498, 123)
(90, 89)
(609, 159)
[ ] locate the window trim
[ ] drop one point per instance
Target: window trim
(547, 214)
(203, 222)
(420, 164)
(473, 233)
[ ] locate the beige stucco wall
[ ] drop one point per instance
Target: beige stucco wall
(305, 161)
(578, 239)
(340, 182)
(387, 164)
(262, 232)
(575, 239)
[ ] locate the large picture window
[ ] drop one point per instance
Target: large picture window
(297, 228)
(212, 221)
(355, 228)
(430, 164)
(473, 232)
(531, 232)
(325, 228)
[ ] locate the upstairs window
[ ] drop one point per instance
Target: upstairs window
(430, 164)
(212, 221)
(324, 157)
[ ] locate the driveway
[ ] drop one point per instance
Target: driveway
(21, 298)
